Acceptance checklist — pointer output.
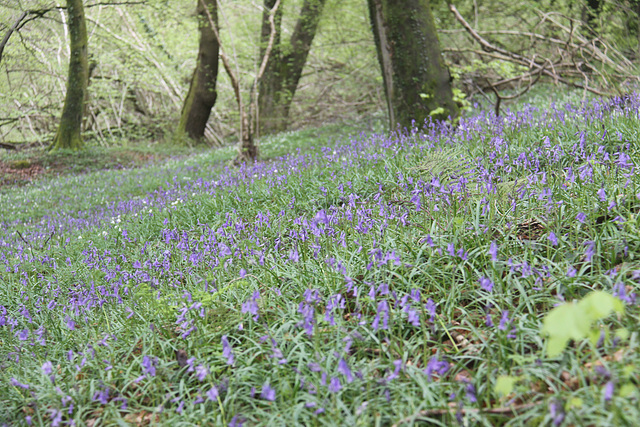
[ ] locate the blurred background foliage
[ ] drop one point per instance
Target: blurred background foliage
(142, 55)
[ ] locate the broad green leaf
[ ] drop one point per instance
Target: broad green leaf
(556, 345)
(504, 384)
(598, 305)
(628, 371)
(627, 390)
(574, 402)
(566, 321)
(622, 333)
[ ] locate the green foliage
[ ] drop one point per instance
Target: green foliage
(575, 321)
(505, 385)
(489, 341)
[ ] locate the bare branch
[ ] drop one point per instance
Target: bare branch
(575, 57)
(13, 28)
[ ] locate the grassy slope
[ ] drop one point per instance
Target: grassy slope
(345, 277)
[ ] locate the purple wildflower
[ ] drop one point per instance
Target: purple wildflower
(493, 251)
(16, 383)
(227, 351)
(589, 251)
(101, 396)
(504, 320)
(602, 195)
(71, 324)
(268, 393)
(314, 367)
(213, 393)
(47, 367)
(470, 391)
(335, 385)
(56, 417)
(383, 311)
(149, 366)
(620, 291)
(22, 335)
(437, 366)
(236, 421)
(431, 309)
(251, 305)
(344, 369)
(556, 411)
(553, 239)
(201, 372)
(486, 284)
(396, 372)
(582, 217)
(609, 388)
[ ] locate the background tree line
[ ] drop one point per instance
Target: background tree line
(214, 71)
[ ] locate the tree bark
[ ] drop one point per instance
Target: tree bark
(69, 134)
(416, 81)
(286, 62)
(202, 91)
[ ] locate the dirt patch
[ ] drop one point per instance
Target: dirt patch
(35, 164)
(19, 172)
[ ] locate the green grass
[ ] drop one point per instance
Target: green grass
(136, 258)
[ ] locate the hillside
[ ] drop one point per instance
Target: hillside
(371, 280)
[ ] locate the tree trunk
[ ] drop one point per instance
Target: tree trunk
(69, 134)
(202, 92)
(284, 68)
(248, 152)
(417, 83)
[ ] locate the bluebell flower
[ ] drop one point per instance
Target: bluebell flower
(437, 366)
(227, 351)
(213, 393)
(486, 284)
(344, 369)
(335, 385)
(268, 393)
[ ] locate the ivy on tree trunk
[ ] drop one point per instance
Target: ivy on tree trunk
(416, 81)
(284, 69)
(69, 134)
(202, 92)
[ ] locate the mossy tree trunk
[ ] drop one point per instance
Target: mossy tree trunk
(202, 92)
(69, 134)
(416, 81)
(286, 62)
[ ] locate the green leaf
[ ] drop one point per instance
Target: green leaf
(566, 322)
(598, 305)
(574, 402)
(505, 384)
(627, 390)
(556, 345)
(622, 333)
(574, 321)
